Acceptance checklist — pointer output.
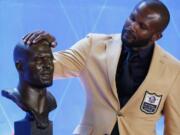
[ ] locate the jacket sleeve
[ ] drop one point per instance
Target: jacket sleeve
(172, 109)
(71, 62)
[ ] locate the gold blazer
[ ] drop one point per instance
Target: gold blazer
(94, 60)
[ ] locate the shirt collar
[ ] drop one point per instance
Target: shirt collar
(142, 53)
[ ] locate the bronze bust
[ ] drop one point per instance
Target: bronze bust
(35, 67)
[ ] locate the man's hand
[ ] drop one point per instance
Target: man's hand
(37, 36)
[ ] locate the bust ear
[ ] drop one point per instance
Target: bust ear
(18, 65)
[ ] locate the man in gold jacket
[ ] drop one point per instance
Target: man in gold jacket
(130, 81)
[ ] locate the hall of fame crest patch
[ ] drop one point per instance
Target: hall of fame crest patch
(150, 102)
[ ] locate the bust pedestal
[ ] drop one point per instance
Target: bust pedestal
(26, 127)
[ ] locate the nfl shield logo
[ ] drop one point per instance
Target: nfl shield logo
(150, 102)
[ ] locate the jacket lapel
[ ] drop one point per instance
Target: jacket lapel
(154, 74)
(155, 70)
(113, 53)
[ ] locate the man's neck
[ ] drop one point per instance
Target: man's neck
(137, 49)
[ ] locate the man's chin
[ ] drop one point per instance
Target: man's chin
(130, 44)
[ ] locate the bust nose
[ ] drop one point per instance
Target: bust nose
(48, 65)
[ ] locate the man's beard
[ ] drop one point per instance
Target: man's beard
(137, 44)
(133, 42)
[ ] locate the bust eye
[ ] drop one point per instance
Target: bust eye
(37, 60)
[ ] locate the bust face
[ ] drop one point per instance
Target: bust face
(38, 66)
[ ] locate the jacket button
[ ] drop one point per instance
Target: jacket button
(119, 114)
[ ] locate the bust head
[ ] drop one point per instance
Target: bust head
(34, 64)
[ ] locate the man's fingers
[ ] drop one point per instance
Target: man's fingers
(31, 36)
(23, 38)
(26, 38)
(44, 35)
(51, 42)
(35, 37)
(54, 44)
